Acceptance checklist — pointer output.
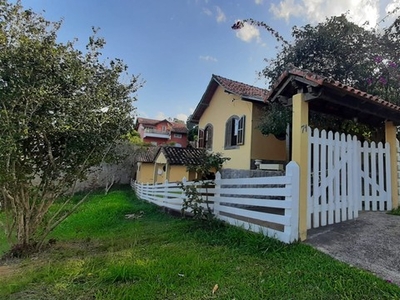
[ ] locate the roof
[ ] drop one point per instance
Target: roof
(333, 97)
(175, 126)
(179, 127)
(245, 91)
(148, 155)
(183, 156)
(174, 155)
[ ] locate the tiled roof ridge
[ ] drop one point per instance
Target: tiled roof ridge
(182, 156)
(175, 125)
(236, 81)
(320, 79)
(255, 91)
(323, 80)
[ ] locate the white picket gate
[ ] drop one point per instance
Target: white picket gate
(345, 176)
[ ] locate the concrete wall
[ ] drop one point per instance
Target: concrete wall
(105, 174)
(145, 172)
(118, 173)
(234, 173)
(263, 147)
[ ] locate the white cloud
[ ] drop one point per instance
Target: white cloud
(248, 32)
(359, 11)
(393, 9)
(285, 9)
(142, 114)
(220, 15)
(207, 11)
(160, 116)
(182, 117)
(258, 2)
(208, 58)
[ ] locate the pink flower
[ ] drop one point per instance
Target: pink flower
(378, 59)
(382, 80)
(237, 25)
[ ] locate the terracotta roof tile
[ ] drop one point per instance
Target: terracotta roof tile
(245, 91)
(179, 127)
(183, 156)
(242, 89)
(147, 121)
(325, 81)
(176, 126)
(148, 155)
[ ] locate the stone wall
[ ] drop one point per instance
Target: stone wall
(234, 173)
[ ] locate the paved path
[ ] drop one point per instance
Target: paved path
(371, 242)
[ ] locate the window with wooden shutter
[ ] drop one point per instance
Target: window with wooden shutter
(200, 141)
(208, 137)
(241, 127)
(231, 132)
(228, 132)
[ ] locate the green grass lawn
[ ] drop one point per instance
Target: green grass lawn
(101, 255)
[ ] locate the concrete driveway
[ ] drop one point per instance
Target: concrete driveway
(371, 242)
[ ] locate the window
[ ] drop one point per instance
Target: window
(200, 140)
(206, 137)
(241, 125)
(177, 135)
(234, 131)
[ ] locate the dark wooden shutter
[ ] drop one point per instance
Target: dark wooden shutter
(228, 132)
(210, 137)
(241, 127)
(200, 141)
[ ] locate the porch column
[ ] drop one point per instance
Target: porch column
(390, 137)
(300, 155)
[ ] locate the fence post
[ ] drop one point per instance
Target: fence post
(390, 137)
(293, 171)
(217, 195)
(145, 191)
(300, 155)
(398, 166)
(183, 195)
(165, 196)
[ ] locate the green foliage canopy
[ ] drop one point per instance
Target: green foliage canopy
(367, 59)
(61, 110)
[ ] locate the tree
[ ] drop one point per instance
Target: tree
(192, 130)
(61, 112)
(195, 202)
(339, 49)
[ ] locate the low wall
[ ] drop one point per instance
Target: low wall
(234, 173)
(106, 174)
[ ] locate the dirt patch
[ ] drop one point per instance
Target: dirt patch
(6, 271)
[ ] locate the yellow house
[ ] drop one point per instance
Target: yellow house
(228, 115)
(167, 163)
(145, 165)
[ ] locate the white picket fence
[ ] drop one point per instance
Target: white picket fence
(345, 176)
(263, 204)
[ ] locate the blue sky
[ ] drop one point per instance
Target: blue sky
(175, 45)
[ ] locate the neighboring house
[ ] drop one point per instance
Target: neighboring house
(159, 132)
(159, 164)
(227, 116)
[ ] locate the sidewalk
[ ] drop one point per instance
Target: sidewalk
(371, 242)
